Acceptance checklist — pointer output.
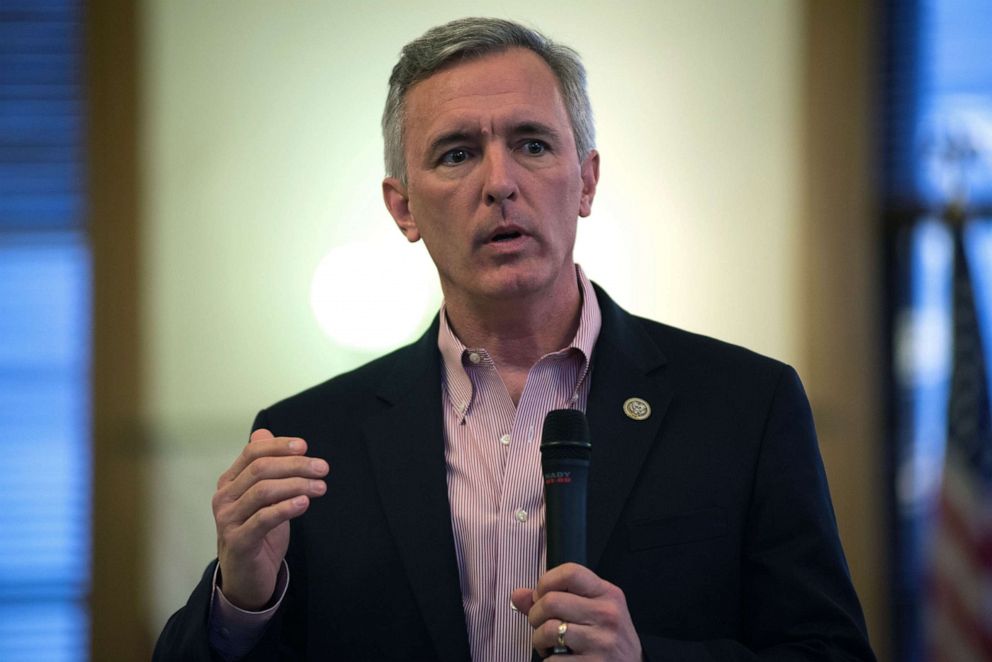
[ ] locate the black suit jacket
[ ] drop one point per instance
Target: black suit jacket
(712, 515)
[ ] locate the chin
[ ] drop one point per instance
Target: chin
(515, 284)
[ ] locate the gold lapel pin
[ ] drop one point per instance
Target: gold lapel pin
(637, 409)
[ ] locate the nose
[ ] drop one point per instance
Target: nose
(500, 183)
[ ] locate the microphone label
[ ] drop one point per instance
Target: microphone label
(557, 477)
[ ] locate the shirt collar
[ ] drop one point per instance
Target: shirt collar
(455, 355)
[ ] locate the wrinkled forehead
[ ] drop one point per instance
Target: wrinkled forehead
(515, 79)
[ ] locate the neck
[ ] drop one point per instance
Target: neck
(518, 331)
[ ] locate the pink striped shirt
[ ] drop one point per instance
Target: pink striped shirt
(492, 449)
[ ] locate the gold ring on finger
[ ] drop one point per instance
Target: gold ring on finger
(560, 647)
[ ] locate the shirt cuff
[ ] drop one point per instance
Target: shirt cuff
(235, 631)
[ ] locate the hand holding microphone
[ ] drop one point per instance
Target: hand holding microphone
(571, 608)
(565, 454)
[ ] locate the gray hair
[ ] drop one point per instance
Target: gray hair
(469, 38)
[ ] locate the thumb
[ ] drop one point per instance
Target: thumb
(259, 434)
(522, 599)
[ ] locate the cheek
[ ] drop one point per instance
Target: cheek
(433, 199)
(438, 219)
(566, 195)
(566, 180)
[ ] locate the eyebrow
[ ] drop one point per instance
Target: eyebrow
(460, 135)
(448, 138)
(536, 129)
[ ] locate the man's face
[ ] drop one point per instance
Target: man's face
(494, 185)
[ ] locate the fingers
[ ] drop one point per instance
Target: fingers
(559, 589)
(262, 444)
(558, 605)
(267, 468)
(259, 434)
(570, 578)
(267, 493)
(582, 640)
(605, 612)
(522, 599)
(577, 637)
(265, 478)
(595, 611)
(252, 531)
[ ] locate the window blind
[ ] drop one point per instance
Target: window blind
(44, 336)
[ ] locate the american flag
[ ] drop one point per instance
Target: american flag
(960, 591)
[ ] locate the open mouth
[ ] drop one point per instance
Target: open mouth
(505, 236)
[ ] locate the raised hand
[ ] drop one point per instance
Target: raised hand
(270, 483)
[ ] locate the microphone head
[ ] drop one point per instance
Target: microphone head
(566, 435)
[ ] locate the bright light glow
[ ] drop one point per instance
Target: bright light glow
(374, 295)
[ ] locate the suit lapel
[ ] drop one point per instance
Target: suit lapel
(406, 447)
(632, 367)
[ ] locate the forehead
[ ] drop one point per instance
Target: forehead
(514, 85)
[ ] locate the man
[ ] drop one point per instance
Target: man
(396, 512)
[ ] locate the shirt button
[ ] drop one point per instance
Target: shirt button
(474, 357)
(521, 515)
(505, 440)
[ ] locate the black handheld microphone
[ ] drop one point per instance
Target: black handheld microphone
(565, 453)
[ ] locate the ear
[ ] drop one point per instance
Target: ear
(398, 204)
(590, 177)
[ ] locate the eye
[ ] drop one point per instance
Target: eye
(535, 147)
(454, 157)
